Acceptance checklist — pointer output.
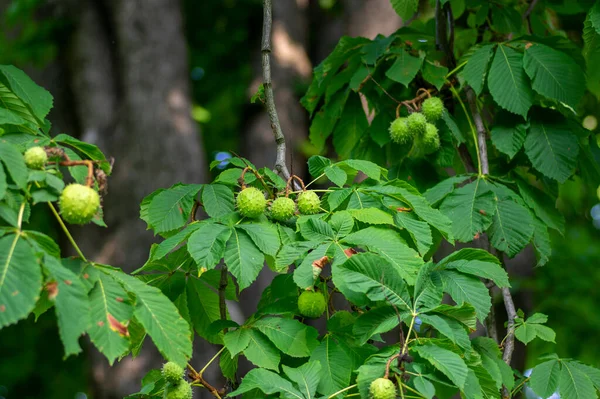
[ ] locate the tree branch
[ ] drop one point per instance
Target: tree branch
(480, 127)
(222, 288)
(509, 342)
(280, 165)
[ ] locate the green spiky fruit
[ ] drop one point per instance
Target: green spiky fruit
(416, 123)
(399, 131)
(311, 304)
(35, 157)
(382, 388)
(433, 108)
(251, 202)
(78, 203)
(182, 390)
(172, 372)
(431, 139)
(283, 208)
(309, 203)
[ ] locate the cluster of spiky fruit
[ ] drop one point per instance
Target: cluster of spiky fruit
(79, 203)
(177, 387)
(419, 127)
(251, 203)
(311, 304)
(382, 388)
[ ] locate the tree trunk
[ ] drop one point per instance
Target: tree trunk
(129, 77)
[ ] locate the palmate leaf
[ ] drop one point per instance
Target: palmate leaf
(20, 279)
(372, 276)
(108, 307)
(419, 231)
(467, 289)
(574, 383)
(554, 74)
(237, 340)
(289, 336)
(551, 146)
(269, 383)
(264, 236)
(476, 69)
(471, 209)
(336, 366)
(158, 315)
(449, 363)
(71, 304)
(527, 330)
(169, 209)
(438, 192)
(243, 258)
(544, 378)
(306, 378)
(508, 82)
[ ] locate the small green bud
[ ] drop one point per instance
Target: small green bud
(182, 390)
(382, 388)
(36, 158)
(399, 131)
(433, 108)
(416, 123)
(172, 372)
(431, 139)
(251, 202)
(311, 304)
(309, 203)
(283, 208)
(79, 203)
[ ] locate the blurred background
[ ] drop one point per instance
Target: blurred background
(164, 87)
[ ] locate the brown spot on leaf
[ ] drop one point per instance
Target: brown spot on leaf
(15, 293)
(68, 282)
(2, 308)
(117, 326)
(401, 209)
(119, 299)
(482, 212)
(100, 323)
(321, 262)
(350, 251)
(528, 45)
(52, 288)
(476, 236)
(86, 276)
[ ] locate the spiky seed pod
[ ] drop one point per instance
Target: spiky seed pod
(309, 203)
(251, 202)
(182, 390)
(399, 131)
(311, 304)
(431, 140)
(78, 203)
(35, 157)
(433, 108)
(172, 372)
(416, 124)
(382, 388)
(283, 208)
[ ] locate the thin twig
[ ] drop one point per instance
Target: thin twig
(222, 288)
(509, 342)
(280, 165)
(480, 127)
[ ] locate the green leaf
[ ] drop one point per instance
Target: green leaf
(387, 243)
(336, 366)
(491, 358)
(508, 82)
(373, 276)
(313, 229)
(512, 226)
(207, 244)
(268, 382)
(372, 216)
(3, 182)
(243, 258)
(554, 74)
(376, 321)
(543, 206)
(261, 352)
(41, 243)
(203, 304)
(317, 165)
(173, 241)
(342, 223)
(434, 73)
(71, 304)
(8, 117)
(551, 147)
(508, 134)
(424, 386)
(405, 8)
(476, 69)
(419, 231)
(109, 307)
(405, 68)
(591, 53)
(544, 378)
(471, 209)
(169, 331)
(352, 126)
(306, 378)
(464, 314)
(541, 242)
(527, 330)
(336, 175)
(289, 336)
(38, 99)
(228, 365)
(369, 168)
(450, 328)
(303, 275)
(574, 384)
(170, 209)
(449, 363)
(438, 192)
(13, 104)
(487, 270)
(264, 235)
(20, 280)
(14, 163)
(468, 289)
(89, 150)
(237, 341)
(217, 200)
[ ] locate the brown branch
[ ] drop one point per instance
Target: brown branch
(89, 180)
(481, 132)
(196, 377)
(222, 288)
(280, 165)
(509, 342)
(527, 14)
